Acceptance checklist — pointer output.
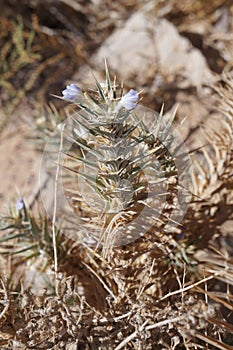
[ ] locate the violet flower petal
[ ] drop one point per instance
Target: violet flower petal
(129, 101)
(71, 92)
(20, 204)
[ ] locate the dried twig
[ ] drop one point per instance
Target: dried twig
(152, 326)
(191, 286)
(5, 301)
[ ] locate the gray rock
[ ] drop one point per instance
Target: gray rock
(147, 46)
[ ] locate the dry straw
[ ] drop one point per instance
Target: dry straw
(163, 284)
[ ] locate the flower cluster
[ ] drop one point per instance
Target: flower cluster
(128, 101)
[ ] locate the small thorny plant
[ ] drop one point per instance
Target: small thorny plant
(28, 236)
(131, 171)
(137, 265)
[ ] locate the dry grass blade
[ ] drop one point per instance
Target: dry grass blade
(54, 228)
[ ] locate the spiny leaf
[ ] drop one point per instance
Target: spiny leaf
(85, 146)
(108, 80)
(83, 160)
(100, 91)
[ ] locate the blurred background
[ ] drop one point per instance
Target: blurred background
(175, 51)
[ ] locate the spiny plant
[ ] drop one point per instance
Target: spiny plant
(130, 170)
(133, 276)
(28, 239)
(47, 120)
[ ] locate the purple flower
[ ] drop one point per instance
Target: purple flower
(20, 204)
(71, 92)
(129, 101)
